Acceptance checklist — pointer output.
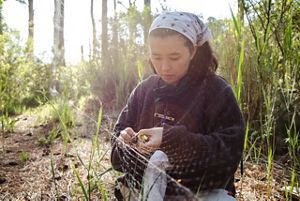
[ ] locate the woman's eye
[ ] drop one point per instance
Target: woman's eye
(174, 58)
(156, 59)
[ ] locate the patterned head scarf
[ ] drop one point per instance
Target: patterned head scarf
(185, 23)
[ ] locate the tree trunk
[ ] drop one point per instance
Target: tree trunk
(94, 54)
(30, 40)
(115, 37)
(147, 19)
(62, 30)
(1, 26)
(147, 2)
(104, 38)
(58, 45)
(82, 53)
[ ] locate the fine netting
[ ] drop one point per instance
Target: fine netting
(137, 180)
(182, 174)
(146, 176)
(195, 164)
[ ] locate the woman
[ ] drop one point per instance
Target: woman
(185, 111)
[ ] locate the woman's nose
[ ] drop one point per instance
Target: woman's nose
(165, 66)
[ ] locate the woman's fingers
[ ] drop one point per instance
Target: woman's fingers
(145, 141)
(144, 149)
(129, 131)
(149, 139)
(127, 135)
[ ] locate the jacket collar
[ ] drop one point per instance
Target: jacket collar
(164, 90)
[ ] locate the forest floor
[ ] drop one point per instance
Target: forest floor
(33, 169)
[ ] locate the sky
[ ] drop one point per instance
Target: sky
(78, 28)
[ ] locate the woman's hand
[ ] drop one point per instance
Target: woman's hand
(149, 139)
(126, 135)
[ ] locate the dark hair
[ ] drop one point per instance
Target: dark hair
(203, 63)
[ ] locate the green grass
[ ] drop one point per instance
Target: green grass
(265, 84)
(93, 165)
(261, 58)
(24, 156)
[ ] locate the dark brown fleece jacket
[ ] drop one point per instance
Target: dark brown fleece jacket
(203, 132)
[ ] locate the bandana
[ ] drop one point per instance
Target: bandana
(185, 23)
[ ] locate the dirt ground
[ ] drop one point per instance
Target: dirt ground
(31, 169)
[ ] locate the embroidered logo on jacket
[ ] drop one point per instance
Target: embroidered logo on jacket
(162, 116)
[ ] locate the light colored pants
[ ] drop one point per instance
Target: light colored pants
(155, 183)
(216, 195)
(213, 195)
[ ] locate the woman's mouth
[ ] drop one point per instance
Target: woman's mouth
(169, 79)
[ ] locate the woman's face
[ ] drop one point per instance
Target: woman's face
(170, 57)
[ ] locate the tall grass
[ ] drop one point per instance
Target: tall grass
(266, 83)
(263, 58)
(293, 149)
(62, 112)
(57, 113)
(268, 129)
(97, 155)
